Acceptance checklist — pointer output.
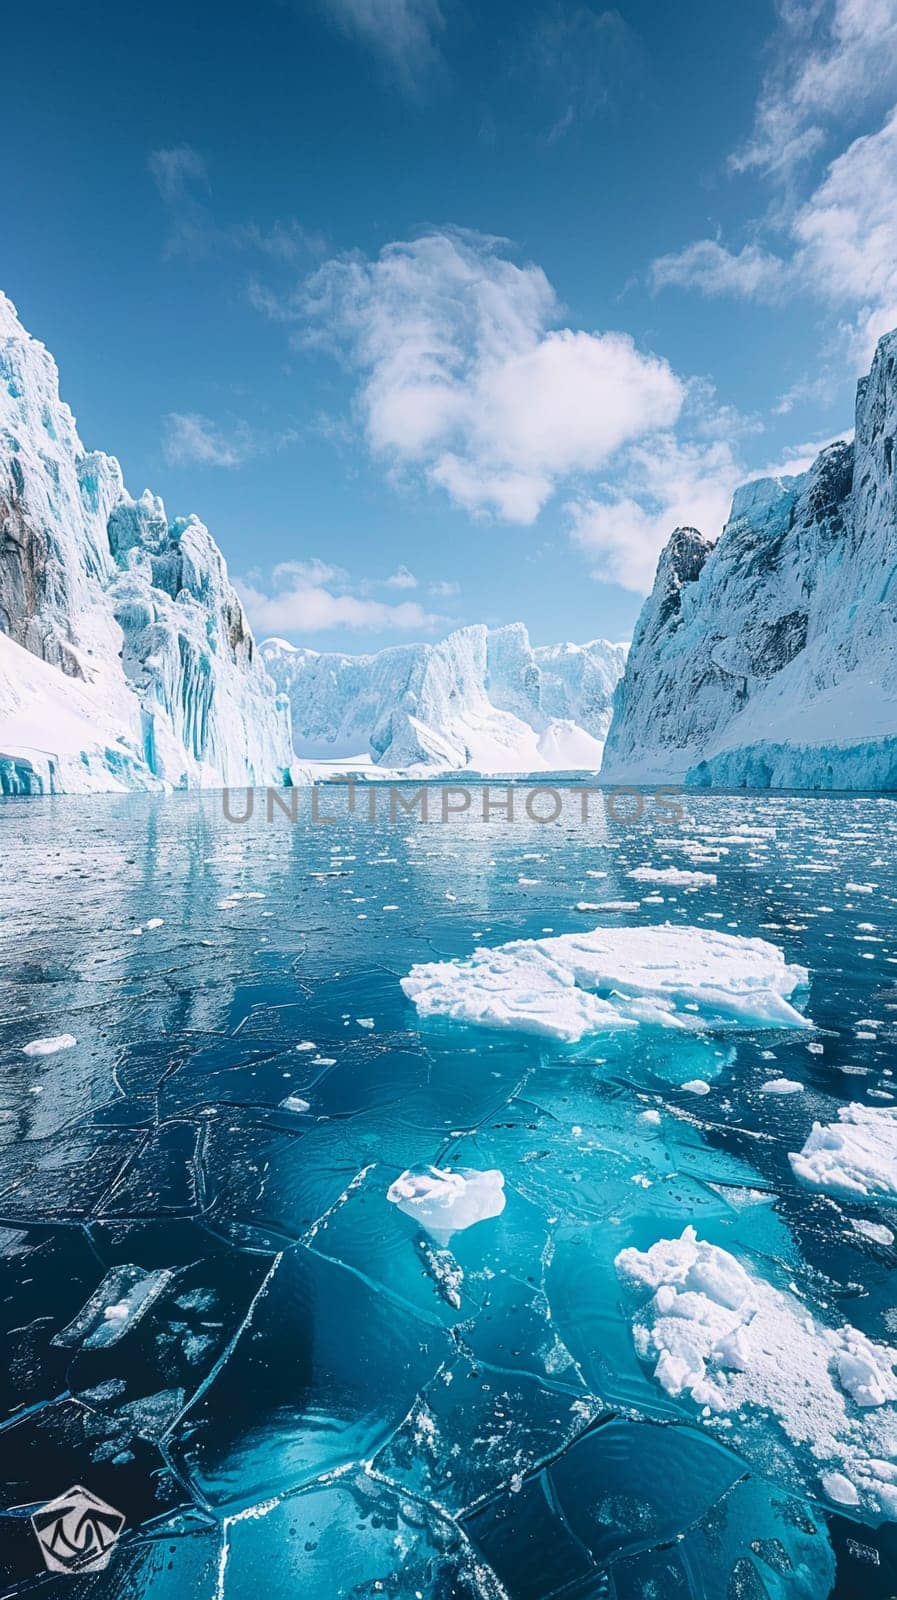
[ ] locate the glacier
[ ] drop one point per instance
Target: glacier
(483, 698)
(126, 660)
(767, 658)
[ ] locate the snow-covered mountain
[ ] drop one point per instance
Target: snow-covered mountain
(484, 699)
(770, 657)
(126, 660)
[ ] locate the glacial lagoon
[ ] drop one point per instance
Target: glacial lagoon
(217, 1319)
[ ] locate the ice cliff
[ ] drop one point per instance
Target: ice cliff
(482, 698)
(126, 660)
(769, 658)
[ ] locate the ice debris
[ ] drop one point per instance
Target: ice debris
(445, 1200)
(49, 1047)
(730, 1340)
(578, 984)
(855, 1155)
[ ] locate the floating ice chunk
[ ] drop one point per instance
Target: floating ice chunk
(876, 1231)
(678, 877)
(156, 922)
(124, 1296)
(855, 1155)
(49, 1047)
(839, 1488)
(781, 1086)
(577, 984)
(294, 1102)
(444, 1200)
(697, 1086)
(365, 1022)
(730, 1341)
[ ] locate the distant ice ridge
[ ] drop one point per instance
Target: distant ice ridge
(583, 983)
(126, 660)
(483, 698)
(857, 1155)
(444, 1200)
(769, 657)
(735, 1343)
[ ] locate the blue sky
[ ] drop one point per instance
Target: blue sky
(439, 312)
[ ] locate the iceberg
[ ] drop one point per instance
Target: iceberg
(482, 698)
(766, 657)
(126, 660)
(577, 984)
(445, 1200)
(732, 1342)
(857, 1155)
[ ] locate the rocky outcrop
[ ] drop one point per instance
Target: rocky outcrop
(770, 657)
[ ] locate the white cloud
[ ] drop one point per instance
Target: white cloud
(190, 439)
(843, 246)
(464, 377)
(664, 485)
(401, 579)
(404, 32)
(707, 265)
(305, 597)
(176, 171)
(444, 589)
(830, 58)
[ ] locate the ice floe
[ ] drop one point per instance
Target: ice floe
(49, 1047)
(855, 1155)
(781, 1086)
(445, 1200)
(674, 877)
(578, 984)
(734, 1342)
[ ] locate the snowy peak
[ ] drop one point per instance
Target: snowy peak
(481, 698)
(102, 589)
(770, 657)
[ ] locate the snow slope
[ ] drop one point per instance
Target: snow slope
(482, 698)
(125, 656)
(770, 657)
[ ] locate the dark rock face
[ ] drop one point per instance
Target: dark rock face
(782, 634)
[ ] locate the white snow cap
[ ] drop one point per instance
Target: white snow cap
(557, 986)
(731, 1340)
(445, 1200)
(857, 1155)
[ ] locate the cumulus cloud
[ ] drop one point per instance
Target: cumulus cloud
(190, 439)
(829, 58)
(404, 33)
(305, 597)
(444, 589)
(662, 486)
(464, 377)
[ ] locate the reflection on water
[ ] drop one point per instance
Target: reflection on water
(299, 1387)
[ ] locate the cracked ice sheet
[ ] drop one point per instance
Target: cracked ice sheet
(578, 984)
(743, 1349)
(635, 1510)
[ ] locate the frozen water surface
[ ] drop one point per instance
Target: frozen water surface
(245, 1302)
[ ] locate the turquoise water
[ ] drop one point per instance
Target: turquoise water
(303, 1402)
